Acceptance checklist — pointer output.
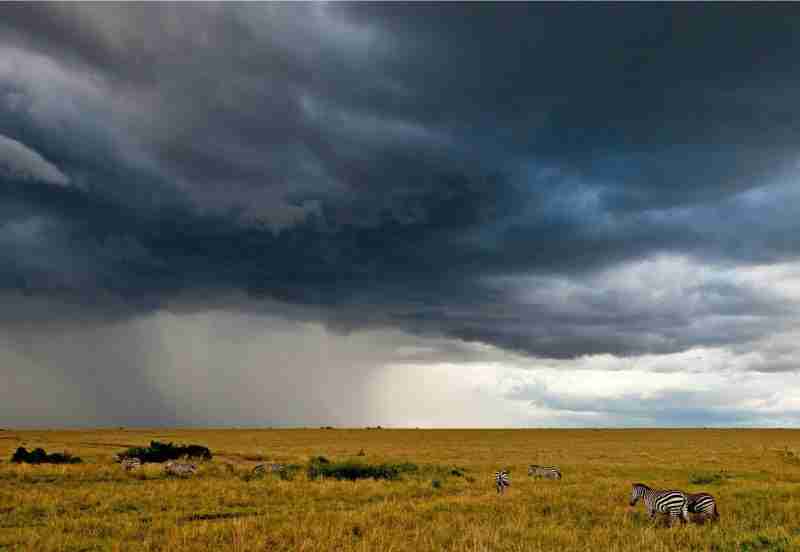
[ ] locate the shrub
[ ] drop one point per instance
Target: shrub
(39, 456)
(702, 478)
(162, 452)
(351, 471)
(436, 484)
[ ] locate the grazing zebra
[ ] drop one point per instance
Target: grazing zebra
(703, 503)
(271, 468)
(131, 464)
(501, 481)
(548, 472)
(674, 503)
(179, 468)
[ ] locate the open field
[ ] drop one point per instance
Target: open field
(755, 475)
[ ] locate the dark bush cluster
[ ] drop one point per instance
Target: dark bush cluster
(351, 471)
(39, 456)
(163, 452)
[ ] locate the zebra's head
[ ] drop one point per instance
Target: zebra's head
(637, 491)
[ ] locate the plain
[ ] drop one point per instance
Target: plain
(449, 503)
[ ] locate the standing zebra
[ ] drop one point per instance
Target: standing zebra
(548, 472)
(131, 464)
(179, 469)
(703, 503)
(501, 481)
(674, 503)
(271, 468)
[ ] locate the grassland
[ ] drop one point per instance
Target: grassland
(755, 474)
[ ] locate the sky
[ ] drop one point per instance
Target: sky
(408, 215)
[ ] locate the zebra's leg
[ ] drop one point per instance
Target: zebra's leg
(685, 513)
(672, 517)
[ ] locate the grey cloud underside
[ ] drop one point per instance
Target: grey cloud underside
(385, 165)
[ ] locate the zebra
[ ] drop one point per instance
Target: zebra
(179, 468)
(271, 468)
(703, 503)
(673, 502)
(131, 464)
(501, 481)
(548, 472)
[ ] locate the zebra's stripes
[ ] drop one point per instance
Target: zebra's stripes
(268, 468)
(703, 503)
(547, 472)
(130, 464)
(180, 469)
(501, 481)
(675, 503)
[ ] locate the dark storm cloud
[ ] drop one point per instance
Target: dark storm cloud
(387, 165)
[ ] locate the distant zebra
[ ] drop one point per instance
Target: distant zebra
(180, 469)
(131, 464)
(703, 503)
(268, 468)
(501, 481)
(674, 503)
(548, 472)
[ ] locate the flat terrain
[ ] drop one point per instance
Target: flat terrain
(755, 475)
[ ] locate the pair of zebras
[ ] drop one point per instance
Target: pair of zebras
(502, 480)
(675, 503)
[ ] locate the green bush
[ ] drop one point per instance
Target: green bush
(163, 452)
(39, 456)
(351, 471)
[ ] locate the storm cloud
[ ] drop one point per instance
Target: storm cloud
(493, 185)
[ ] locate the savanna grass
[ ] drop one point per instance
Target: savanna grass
(447, 503)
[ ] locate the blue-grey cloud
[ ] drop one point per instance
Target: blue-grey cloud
(492, 174)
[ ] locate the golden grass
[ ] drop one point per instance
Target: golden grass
(97, 506)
